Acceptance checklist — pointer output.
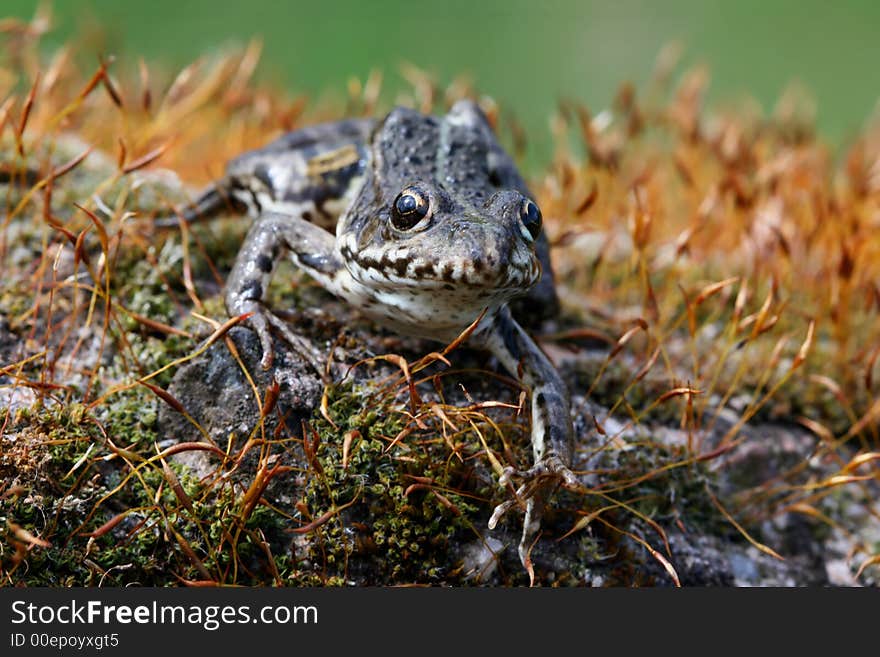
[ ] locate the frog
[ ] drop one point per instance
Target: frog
(422, 223)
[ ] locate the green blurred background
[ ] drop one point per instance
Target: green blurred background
(525, 54)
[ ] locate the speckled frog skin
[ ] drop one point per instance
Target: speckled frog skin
(422, 223)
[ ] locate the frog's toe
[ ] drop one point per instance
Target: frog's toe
(501, 510)
(535, 488)
(531, 529)
(534, 503)
(300, 345)
(257, 321)
(262, 321)
(551, 469)
(551, 466)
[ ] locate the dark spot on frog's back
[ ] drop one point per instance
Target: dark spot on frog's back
(448, 271)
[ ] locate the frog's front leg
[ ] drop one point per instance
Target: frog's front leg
(312, 248)
(552, 431)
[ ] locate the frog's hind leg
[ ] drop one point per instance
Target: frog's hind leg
(211, 202)
(313, 250)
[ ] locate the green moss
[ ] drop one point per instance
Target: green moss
(131, 417)
(66, 452)
(391, 535)
(668, 494)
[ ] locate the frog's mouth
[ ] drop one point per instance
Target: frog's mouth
(468, 253)
(513, 274)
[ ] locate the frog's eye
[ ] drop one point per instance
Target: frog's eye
(530, 216)
(410, 207)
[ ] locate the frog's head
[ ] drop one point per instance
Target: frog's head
(430, 216)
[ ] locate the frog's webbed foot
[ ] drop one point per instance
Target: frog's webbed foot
(262, 321)
(550, 467)
(535, 488)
